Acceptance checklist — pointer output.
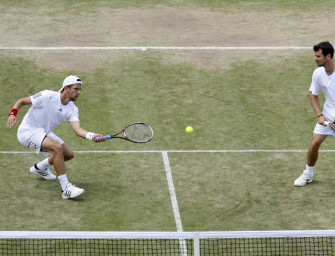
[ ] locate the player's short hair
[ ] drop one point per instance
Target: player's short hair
(69, 86)
(326, 48)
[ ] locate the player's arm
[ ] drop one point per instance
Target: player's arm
(81, 132)
(316, 106)
(12, 115)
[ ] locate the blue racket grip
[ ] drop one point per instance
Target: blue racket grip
(106, 137)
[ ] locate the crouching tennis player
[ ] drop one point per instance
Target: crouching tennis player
(50, 109)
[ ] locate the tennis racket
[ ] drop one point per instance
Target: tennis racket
(135, 132)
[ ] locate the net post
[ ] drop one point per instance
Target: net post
(196, 244)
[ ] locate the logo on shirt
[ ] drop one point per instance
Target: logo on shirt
(60, 110)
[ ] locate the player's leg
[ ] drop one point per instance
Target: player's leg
(44, 164)
(312, 156)
(32, 138)
(57, 158)
(313, 151)
(60, 152)
(67, 153)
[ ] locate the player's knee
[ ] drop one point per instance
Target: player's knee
(56, 148)
(69, 155)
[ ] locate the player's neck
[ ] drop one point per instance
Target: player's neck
(330, 67)
(65, 100)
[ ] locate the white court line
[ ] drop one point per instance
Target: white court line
(172, 192)
(144, 48)
(181, 151)
(174, 201)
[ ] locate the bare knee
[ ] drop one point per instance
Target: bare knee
(56, 149)
(68, 155)
(67, 152)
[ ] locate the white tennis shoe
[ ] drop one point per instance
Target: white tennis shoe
(45, 174)
(303, 180)
(72, 191)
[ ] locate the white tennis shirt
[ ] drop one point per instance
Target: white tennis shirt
(48, 112)
(322, 82)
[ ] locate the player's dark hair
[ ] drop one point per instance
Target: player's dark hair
(326, 48)
(66, 86)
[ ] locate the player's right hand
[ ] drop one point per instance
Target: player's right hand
(98, 138)
(11, 121)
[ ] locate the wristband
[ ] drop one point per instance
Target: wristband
(89, 135)
(320, 115)
(13, 112)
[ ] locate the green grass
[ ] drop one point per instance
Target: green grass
(116, 198)
(258, 102)
(248, 106)
(251, 191)
(243, 109)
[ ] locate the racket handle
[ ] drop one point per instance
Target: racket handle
(105, 137)
(327, 123)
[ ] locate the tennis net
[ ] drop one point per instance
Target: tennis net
(312, 242)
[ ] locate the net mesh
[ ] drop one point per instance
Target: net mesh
(90, 247)
(269, 246)
(166, 244)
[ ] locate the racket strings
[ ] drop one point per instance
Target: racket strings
(138, 132)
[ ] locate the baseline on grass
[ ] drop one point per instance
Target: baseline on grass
(135, 132)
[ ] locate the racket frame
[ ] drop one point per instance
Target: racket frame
(115, 136)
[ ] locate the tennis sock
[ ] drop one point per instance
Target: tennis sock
(43, 164)
(309, 170)
(63, 181)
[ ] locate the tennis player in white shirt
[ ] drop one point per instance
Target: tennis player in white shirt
(323, 79)
(50, 109)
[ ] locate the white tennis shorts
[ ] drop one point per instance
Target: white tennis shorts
(33, 138)
(324, 130)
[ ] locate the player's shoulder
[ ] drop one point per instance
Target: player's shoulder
(45, 96)
(49, 92)
(45, 93)
(319, 71)
(72, 106)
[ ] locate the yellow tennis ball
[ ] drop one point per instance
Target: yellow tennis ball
(189, 129)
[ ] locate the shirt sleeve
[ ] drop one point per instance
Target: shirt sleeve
(315, 85)
(74, 115)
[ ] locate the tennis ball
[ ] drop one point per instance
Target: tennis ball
(189, 129)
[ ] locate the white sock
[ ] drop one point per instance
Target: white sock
(309, 170)
(63, 181)
(43, 164)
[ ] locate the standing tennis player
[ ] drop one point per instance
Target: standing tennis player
(323, 79)
(50, 109)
